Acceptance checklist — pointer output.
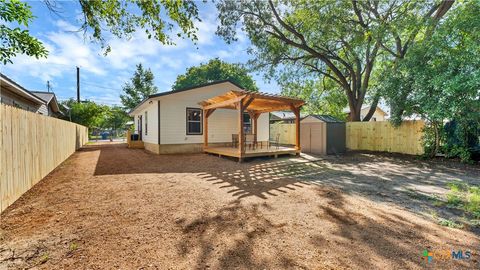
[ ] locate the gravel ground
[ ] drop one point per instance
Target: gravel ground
(108, 207)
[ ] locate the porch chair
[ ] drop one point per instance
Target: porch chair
(250, 139)
(234, 140)
(275, 142)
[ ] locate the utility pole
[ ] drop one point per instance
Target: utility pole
(78, 85)
(48, 86)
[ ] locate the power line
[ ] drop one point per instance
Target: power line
(101, 86)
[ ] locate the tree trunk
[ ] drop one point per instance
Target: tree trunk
(354, 115)
(373, 108)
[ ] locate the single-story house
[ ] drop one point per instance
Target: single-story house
(51, 103)
(173, 121)
(378, 115)
(13, 94)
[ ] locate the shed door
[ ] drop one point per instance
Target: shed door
(305, 137)
(313, 138)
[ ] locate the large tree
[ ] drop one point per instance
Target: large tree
(139, 88)
(321, 96)
(158, 19)
(215, 70)
(439, 79)
(339, 40)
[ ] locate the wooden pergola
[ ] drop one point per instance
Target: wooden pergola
(254, 104)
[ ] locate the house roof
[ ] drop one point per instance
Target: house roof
(326, 118)
(347, 110)
(193, 87)
(182, 90)
(49, 98)
(11, 85)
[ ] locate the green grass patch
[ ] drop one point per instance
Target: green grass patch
(464, 196)
(450, 223)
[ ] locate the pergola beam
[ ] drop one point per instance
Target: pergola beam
(225, 103)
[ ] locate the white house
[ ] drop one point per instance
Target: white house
(172, 122)
(378, 115)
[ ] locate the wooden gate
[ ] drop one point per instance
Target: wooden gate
(313, 138)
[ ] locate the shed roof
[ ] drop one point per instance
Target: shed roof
(326, 118)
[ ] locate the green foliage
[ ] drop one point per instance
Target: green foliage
(114, 118)
(450, 223)
(439, 79)
(215, 70)
(465, 197)
(86, 113)
(123, 18)
(339, 40)
(141, 86)
(159, 19)
(14, 40)
(322, 97)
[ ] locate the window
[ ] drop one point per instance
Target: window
(146, 123)
(194, 121)
(247, 123)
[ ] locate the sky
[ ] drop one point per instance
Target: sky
(102, 77)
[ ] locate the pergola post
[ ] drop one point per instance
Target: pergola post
(241, 150)
(296, 111)
(206, 113)
(254, 116)
(205, 128)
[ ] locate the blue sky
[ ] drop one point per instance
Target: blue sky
(102, 77)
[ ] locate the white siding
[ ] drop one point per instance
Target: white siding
(263, 126)
(43, 109)
(222, 123)
(378, 115)
(150, 135)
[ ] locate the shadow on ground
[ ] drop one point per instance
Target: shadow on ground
(409, 183)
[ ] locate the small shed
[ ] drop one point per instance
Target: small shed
(322, 134)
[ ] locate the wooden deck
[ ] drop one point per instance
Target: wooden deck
(258, 152)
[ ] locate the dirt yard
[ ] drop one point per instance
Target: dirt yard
(108, 207)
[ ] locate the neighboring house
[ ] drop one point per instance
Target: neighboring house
(285, 117)
(15, 95)
(171, 122)
(50, 107)
(379, 115)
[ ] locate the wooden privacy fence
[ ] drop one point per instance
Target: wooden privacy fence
(31, 146)
(286, 131)
(382, 136)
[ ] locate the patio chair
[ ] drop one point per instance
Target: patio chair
(234, 140)
(250, 140)
(276, 141)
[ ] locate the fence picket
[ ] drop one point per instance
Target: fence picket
(31, 146)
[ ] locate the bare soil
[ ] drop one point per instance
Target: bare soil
(109, 207)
